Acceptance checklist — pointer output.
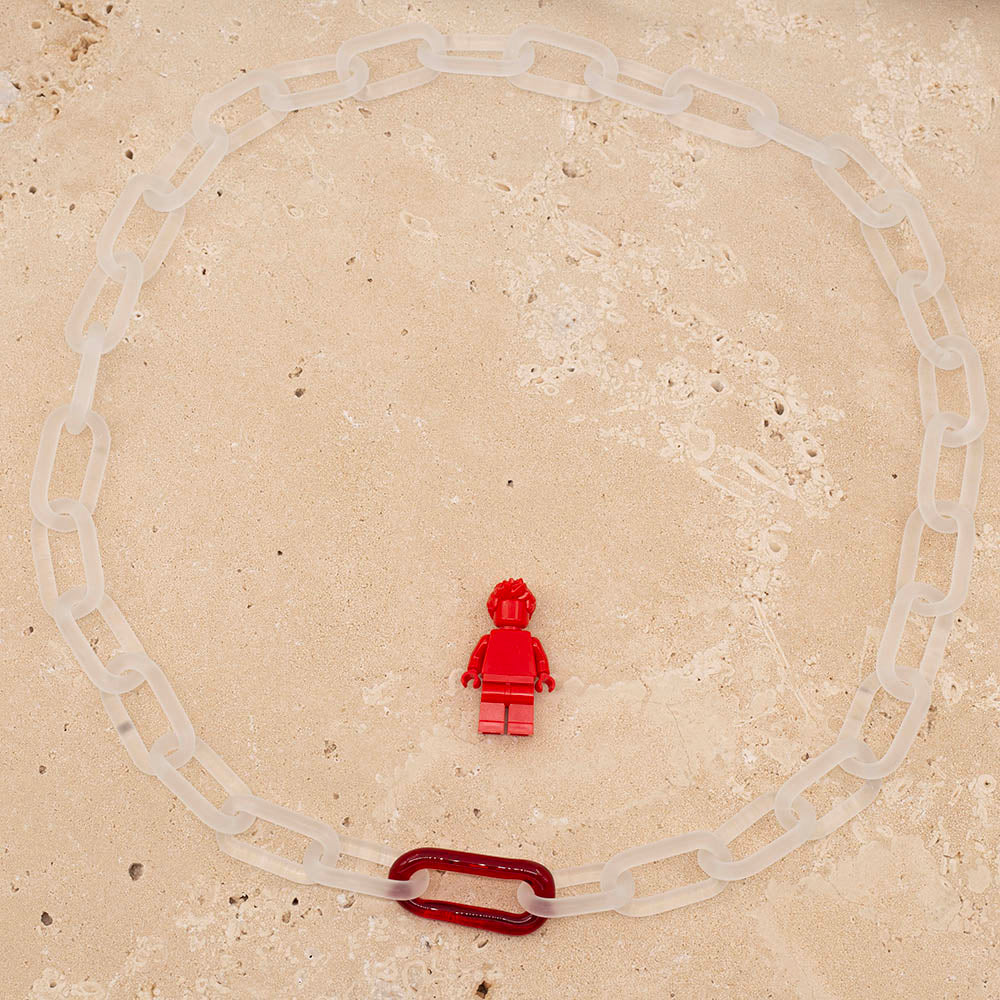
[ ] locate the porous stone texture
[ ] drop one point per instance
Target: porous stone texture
(404, 349)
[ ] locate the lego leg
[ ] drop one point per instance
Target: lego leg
(491, 716)
(521, 714)
(492, 707)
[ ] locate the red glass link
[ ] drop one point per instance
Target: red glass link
(488, 866)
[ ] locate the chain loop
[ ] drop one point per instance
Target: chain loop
(201, 120)
(354, 48)
(524, 37)
(975, 384)
(876, 171)
(90, 554)
(892, 638)
(961, 568)
(796, 140)
(322, 872)
(279, 100)
(587, 902)
(122, 313)
(689, 77)
(445, 62)
(660, 104)
(930, 457)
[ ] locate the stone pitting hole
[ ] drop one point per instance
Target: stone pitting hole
(135, 871)
(47, 920)
(482, 989)
(300, 392)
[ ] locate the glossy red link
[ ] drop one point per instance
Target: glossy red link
(487, 865)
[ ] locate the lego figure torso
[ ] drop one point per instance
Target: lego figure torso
(509, 656)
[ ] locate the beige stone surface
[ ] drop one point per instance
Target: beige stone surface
(402, 350)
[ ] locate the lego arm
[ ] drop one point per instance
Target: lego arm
(476, 664)
(541, 666)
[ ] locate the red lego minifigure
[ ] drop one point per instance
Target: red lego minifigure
(509, 662)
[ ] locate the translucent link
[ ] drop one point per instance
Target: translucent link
(124, 304)
(165, 769)
(961, 568)
(892, 637)
(930, 457)
(787, 802)
(874, 168)
(69, 628)
(929, 348)
(916, 712)
(660, 103)
(323, 873)
(979, 410)
(90, 553)
(180, 724)
(523, 38)
(688, 76)
(177, 197)
(86, 382)
(350, 87)
(767, 855)
(929, 282)
(660, 850)
(796, 140)
(294, 871)
(445, 62)
(206, 131)
(384, 37)
(137, 187)
(41, 477)
(588, 902)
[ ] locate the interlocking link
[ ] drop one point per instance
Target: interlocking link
(169, 773)
(41, 477)
(660, 850)
(166, 698)
(788, 799)
(322, 833)
(671, 98)
(278, 100)
(352, 50)
(122, 313)
(764, 857)
(524, 38)
(975, 384)
(446, 62)
(876, 171)
(660, 104)
(586, 902)
(690, 77)
(927, 283)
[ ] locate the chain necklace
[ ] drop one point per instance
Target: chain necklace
(604, 76)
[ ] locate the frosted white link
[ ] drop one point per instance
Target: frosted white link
(796, 140)
(892, 637)
(297, 101)
(446, 62)
(169, 773)
(81, 404)
(929, 282)
(930, 457)
(916, 712)
(603, 75)
(526, 35)
(690, 77)
(253, 805)
(90, 556)
(352, 50)
(764, 857)
(660, 850)
(322, 870)
(975, 383)
(41, 477)
(788, 801)
(204, 129)
(121, 313)
(166, 698)
(874, 168)
(113, 264)
(661, 104)
(961, 567)
(586, 902)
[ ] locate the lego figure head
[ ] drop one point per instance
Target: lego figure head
(511, 604)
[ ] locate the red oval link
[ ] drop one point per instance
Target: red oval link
(488, 866)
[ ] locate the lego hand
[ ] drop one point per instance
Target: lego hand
(472, 675)
(545, 679)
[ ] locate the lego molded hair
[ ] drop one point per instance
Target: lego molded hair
(511, 590)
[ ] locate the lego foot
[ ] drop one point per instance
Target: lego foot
(491, 717)
(521, 720)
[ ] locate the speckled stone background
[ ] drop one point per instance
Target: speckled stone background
(404, 349)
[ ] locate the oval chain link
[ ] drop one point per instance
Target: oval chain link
(671, 96)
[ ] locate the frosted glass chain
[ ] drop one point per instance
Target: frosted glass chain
(603, 76)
